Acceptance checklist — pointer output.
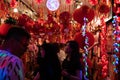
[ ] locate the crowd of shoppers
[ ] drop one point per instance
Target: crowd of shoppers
(52, 61)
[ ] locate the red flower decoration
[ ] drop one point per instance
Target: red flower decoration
(82, 12)
(50, 25)
(29, 25)
(104, 8)
(23, 19)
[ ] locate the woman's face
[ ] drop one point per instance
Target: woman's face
(67, 48)
(42, 51)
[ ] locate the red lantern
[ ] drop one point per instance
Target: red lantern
(82, 12)
(81, 40)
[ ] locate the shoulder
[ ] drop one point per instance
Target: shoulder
(6, 56)
(10, 65)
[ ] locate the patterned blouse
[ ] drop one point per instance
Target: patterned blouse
(11, 67)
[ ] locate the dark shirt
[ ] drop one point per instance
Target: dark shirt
(71, 67)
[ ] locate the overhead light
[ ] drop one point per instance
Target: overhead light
(52, 5)
(15, 10)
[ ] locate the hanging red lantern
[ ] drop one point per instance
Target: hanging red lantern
(81, 40)
(82, 12)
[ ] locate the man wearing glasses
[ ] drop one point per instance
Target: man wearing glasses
(14, 46)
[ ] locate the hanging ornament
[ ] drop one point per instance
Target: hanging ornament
(69, 2)
(83, 11)
(52, 5)
(39, 1)
(13, 3)
(104, 9)
(93, 2)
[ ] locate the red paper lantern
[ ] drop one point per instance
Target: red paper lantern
(82, 12)
(81, 40)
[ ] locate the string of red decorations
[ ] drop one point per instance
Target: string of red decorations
(104, 59)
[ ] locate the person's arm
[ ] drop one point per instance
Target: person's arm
(72, 77)
(37, 77)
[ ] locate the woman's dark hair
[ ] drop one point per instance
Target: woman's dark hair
(74, 46)
(74, 49)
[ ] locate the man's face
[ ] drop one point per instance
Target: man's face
(21, 46)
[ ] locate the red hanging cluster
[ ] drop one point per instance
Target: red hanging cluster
(82, 12)
(13, 3)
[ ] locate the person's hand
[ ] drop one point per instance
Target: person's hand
(37, 77)
(65, 73)
(96, 43)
